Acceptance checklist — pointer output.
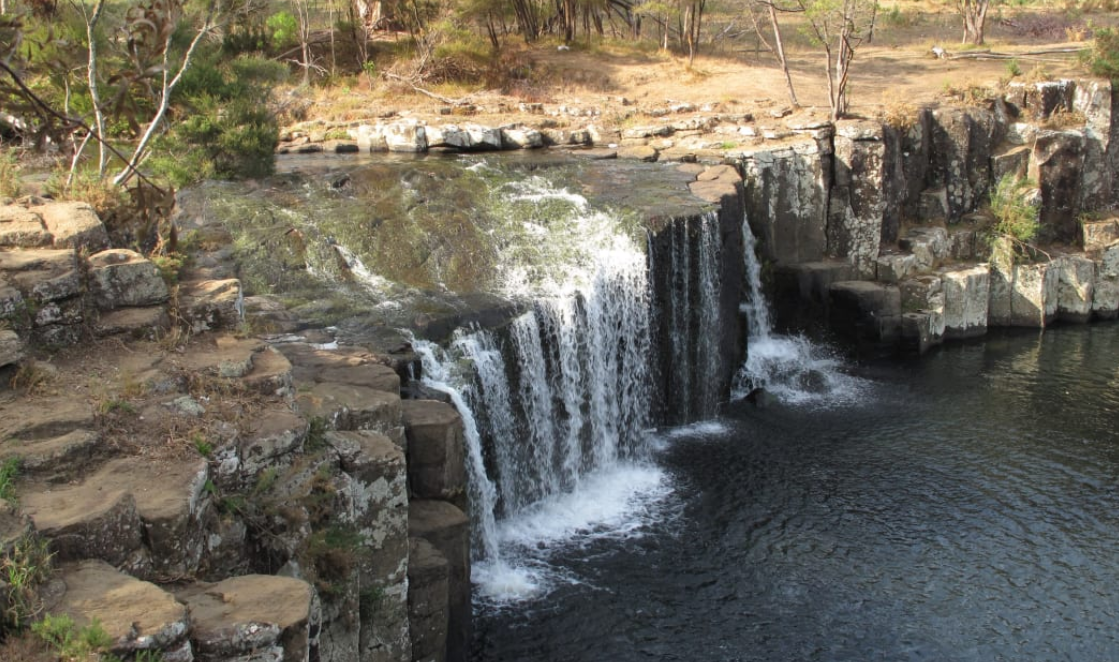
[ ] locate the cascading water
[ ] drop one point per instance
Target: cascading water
(692, 324)
(790, 368)
(556, 404)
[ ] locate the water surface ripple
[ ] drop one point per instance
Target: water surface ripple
(965, 508)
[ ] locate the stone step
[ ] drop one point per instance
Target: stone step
(50, 416)
(252, 617)
(133, 322)
(12, 347)
(134, 513)
(272, 439)
(56, 459)
(22, 228)
(209, 305)
(121, 278)
(448, 530)
(271, 373)
(74, 225)
(42, 275)
(436, 455)
(428, 606)
(221, 356)
(355, 366)
(349, 407)
(137, 615)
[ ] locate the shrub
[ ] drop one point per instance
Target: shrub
(1016, 219)
(283, 29)
(1103, 57)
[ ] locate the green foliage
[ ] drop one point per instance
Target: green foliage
(70, 641)
(9, 471)
(1103, 57)
(283, 29)
(316, 434)
(22, 571)
(1016, 219)
(10, 186)
(230, 132)
(204, 447)
(1013, 69)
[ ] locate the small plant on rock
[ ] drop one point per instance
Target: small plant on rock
(9, 470)
(70, 641)
(1016, 220)
(22, 571)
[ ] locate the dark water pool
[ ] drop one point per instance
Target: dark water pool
(965, 508)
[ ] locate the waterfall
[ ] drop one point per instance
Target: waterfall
(790, 368)
(693, 323)
(556, 407)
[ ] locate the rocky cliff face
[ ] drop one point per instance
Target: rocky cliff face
(903, 206)
(220, 497)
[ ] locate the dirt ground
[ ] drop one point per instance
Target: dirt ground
(741, 76)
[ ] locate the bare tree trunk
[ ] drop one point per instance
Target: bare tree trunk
(781, 54)
(91, 21)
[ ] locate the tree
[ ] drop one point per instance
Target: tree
(974, 13)
(839, 27)
(778, 47)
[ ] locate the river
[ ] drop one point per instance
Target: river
(963, 507)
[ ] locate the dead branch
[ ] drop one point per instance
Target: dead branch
(428, 93)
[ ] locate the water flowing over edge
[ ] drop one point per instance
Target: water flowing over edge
(789, 368)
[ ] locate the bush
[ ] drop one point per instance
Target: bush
(1103, 57)
(230, 132)
(1016, 219)
(283, 29)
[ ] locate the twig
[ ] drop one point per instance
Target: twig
(417, 88)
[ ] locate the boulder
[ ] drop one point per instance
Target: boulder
(121, 278)
(966, 296)
(271, 373)
(55, 458)
(144, 322)
(21, 228)
(74, 225)
(12, 347)
(369, 138)
(1041, 99)
(1099, 186)
(1076, 279)
(251, 618)
(137, 616)
(894, 267)
(964, 244)
(90, 520)
(521, 138)
(377, 504)
(1013, 162)
(638, 153)
(405, 136)
(436, 454)
(962, 142)
(269, 443)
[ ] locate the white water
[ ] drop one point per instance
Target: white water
(791, 369)
(561, 398)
